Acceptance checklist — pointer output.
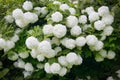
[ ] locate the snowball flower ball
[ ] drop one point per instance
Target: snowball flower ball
(62, 72)
(71, 57)
(83, 19)
(55, 68)
(108, 30)
(30, 17)
(62, 60)
(64, 7)
(29, 67)
(98, 46)
(80, 41)
(47, 29)
(21, 23)
(72, 11)
(51, 53)
(89, 10)
(99, 25)
(34, 53)
(69, 43)
(58, 49)
(104, 10)
(21, 63)
(47, 68)
(103, 53)
(93, 16)
(108, 19)
(37, 10)
(31, 42)
(111, 54)
(71, 21)
(44, 47)
(76, 31)
(56, 17)
(9, 19)
(91, 40)
(40, 57)
(79, 61)
(44, 11)
(2, 43)
(59, 30)
(27, 5)
(17, 13)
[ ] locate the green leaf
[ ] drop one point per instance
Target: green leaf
(3, 72)
(6, 31)
(78, 51)
(52, 60)
(64, 52)
(36, 32)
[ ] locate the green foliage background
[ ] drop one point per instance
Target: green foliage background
(98, 71)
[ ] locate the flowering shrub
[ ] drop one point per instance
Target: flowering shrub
(57, 36)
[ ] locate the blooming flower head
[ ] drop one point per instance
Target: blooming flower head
(57, 17)
(103, 10)
(68, 43)
(31, 42)
(48, 29)
(59, 30)
(80, 41)
(27, 5)
(71, 21)
(55, 68)
(17, 13)
(71, 57)
(76, 31)
(64, 7)
(111, 54)
(29, 67)
(99, 25)
(72, 11)
(91, 40)
(83, 19)
(93, 16)
(108, 30)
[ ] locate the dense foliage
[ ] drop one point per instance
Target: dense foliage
(89, 68)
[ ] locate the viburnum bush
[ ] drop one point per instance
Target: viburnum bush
(57, 36)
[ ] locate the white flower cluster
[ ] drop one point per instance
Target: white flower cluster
(64, 7)
(6, 45)
(63, 31)
(22, 19)
(27, 66)
(70, 59)
(104, 54)
(66, 61)
(55, 68)
(40, 50)
(58, 30)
